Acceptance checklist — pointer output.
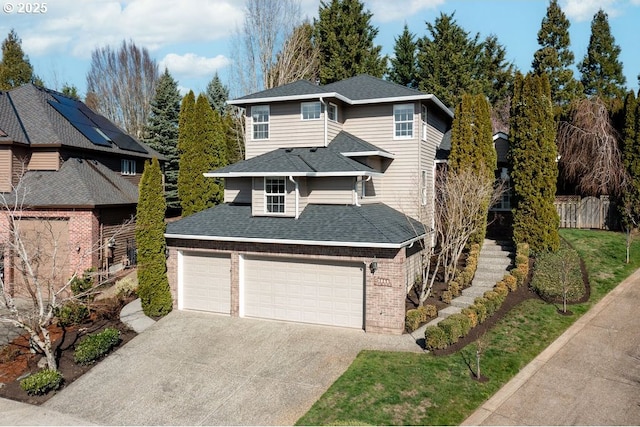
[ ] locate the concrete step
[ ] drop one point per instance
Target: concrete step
(488, 276)
(462, 301)
(475, 292)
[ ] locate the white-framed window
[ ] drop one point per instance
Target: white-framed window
(260, 121)
(403, 121)
(311, 110)
(423, 187)
(128, 167)
(275, 189)
(504, 203)
(423, 118)
(332, 112)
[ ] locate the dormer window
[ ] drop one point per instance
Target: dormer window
(311, 110)
(403, 121)
(274, 191)
(128, 167)
(260, 121)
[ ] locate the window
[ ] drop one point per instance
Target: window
(260, 119)
(332, 112)
(504, 203)
(423, 187)
(403, 120)
(274, 191)
(423, 114)
(128, 167)
(311, 110)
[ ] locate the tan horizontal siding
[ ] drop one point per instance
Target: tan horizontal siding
(334, 190)
(5, 169)
(44, 161)
(237, 190)
(258, 202)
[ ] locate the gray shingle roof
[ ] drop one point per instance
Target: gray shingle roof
(78, 183)
(372, 225)
(344, 142)
(297, 161)
(363, 87)
(300, 87)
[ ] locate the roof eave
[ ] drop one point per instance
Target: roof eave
(368, 153)
(283, 173)
(241, 101)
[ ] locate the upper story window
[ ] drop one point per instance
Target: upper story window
(403, 121)
(274, 191)
(128, 167)
(260, 121)
(311, 110)
(423, 118)
(332, 112)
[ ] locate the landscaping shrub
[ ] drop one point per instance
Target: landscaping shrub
(72, 313)
(413, 319)
(519, 275)
(557, 273)
(510, 281)
(523, 249)
(463, 321)
(481, 309)
(42, 382)
(81, 285)
(472, 315)
(94, 346)
(446, 297)
(501, 289)
(451, 328)
(126, 287)
(435, 338)
(454, 288)
(430, 310)
(521, 259)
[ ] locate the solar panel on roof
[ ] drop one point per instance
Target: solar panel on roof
(93, 134)
(125, 142)
(65, 100)
(100, 121)
(72, 114)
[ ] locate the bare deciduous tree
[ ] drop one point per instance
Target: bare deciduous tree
(121, 85)
(267, 25)
(298, 59)
(588, 149)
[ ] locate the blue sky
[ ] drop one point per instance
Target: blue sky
(193, 37)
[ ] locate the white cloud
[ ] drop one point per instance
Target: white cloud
(388, 11)
(191, 65)
(583, 10)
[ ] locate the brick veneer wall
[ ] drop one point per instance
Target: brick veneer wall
(384, 290)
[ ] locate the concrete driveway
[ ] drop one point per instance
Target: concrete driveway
(201, 369)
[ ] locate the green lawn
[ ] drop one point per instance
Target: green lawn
(389, 388)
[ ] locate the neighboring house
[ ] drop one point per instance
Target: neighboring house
(323, 221)
(72, 178)
(500, 218)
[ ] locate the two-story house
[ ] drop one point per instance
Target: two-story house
(70, 179)
(324, 220)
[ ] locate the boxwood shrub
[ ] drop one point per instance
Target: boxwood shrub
(94, 346)
(451, 328)
(472, 315)
(435, 338)
(42, 382)
(463, 321)
(413, 320)
(72, 313)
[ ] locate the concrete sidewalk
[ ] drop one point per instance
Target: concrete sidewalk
(589, 376)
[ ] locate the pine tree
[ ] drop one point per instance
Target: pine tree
(601, 69)
(71, 91)
(15, 68)
(495, 73)
(533, 155)
(161, 132)
(217, 95)
(403, 64)
(202, 148)
(344, 36)
(630, 206)
(554, 58)
(153, 285)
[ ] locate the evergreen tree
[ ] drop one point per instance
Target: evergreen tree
(555, 58)
(202, 148)
(601, 69)
(472, 146)
(71, 91)
(533, 155)
(344, 36)
(630, 206)
(15, 68)
(153, 285)
(403, 64)
(495, 72)
(161, 132)
(217, 95)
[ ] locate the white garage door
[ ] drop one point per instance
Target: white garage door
(303, 291)
(206, 280)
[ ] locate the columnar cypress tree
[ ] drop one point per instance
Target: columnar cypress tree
(555, 57)
(344, 35)
(15, 68)
(631, 156)
(153, 285)
(403, 64)
(533, 155)
(161, 132)
(472, 145)
(601, 69)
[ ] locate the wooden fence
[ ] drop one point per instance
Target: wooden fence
(586, 212)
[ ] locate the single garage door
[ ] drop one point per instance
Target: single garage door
(302, 291)
(206, 282)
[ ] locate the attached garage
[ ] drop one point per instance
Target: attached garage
(319, 292)
(205, 282)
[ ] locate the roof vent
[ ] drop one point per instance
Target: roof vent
(288, 150)
(313, 149)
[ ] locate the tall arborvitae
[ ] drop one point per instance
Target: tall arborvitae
(533, 155)
(344, 35)
(601, 69)
(472, 145)
(161, 132)
(403, 64)
(15, 68)
(630, 206)
(202, 148)
(555, 57)
(153, 285)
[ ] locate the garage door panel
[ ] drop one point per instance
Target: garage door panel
(206, 282)
(303, 291)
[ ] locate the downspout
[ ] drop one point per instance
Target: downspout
(355, 190)
(324, 108)
(297, 196)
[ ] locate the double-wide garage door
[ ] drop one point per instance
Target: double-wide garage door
(326, 293)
